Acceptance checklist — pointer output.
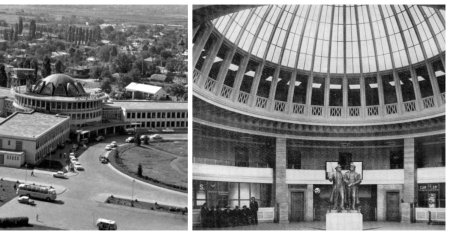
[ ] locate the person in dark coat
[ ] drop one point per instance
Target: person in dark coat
(217, 216)
(204, 215)
(254, 210)
(246, 213)
(211, 214)
(236, 216)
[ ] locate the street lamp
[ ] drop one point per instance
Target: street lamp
(132, 190)
(26, 172)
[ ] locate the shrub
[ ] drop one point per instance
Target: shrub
(13, 222)
(139, 170)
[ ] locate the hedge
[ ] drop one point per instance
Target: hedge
(13, 222)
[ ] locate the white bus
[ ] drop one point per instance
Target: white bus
(37, 191)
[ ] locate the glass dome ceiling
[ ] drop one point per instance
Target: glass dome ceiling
(338, 38)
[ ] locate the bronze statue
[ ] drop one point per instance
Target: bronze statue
(337, 195)
(352, 180)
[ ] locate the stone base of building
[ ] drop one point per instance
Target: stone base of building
(344, 221)
(405, 211)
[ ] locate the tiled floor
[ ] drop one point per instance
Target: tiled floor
(320, 225)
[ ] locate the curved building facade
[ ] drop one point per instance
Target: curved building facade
(281, 92)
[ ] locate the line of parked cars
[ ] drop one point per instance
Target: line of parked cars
(75, 163)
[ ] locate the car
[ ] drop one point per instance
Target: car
(99, 138)
(72, 154)
(60, 174)
(25, 200)
(108, 147)
(152, 130)
(168, 130)
(113, 144)
(103, 159)
(130, 139)
(78, 166)
(105, 224)
(155, 137)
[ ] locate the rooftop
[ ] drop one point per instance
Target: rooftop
(148, 105)
(29, 125)
(143, 88)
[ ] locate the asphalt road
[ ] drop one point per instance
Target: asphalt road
(81, 198)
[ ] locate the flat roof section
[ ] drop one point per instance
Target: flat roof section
(148, 105)
(29, 125)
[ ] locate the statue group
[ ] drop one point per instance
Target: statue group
(345, 189)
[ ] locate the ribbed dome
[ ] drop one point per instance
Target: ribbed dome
(59, 85)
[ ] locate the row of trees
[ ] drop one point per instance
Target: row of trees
(80, 35)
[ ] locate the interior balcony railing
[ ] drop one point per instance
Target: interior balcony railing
(242, 100)
(210, 161)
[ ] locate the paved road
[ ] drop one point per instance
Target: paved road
(84, 196)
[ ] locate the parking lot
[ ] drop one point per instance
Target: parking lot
(82, 197)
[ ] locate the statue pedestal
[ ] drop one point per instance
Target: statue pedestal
(344, 221)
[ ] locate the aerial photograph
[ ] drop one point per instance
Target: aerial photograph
(318, 117)
(93, 117)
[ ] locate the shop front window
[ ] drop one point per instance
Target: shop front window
(230, 194)
(431, 195)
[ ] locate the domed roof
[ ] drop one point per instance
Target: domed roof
(59, 85)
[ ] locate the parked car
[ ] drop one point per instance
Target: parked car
(72, 154)
(113, 144)
(105, 224)
(99, 138)
(26, 200)
(108, 147)
(78, 166)
(130, 139)
(168, 130)
(155, 137)
(103, 159)
(60, 174)
(152, 130)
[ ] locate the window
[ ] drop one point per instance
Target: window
(294, 159)
(241, 156)
(396, 159)
(18, 145)
(345, 159)
(431, 195)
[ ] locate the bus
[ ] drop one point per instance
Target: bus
(37, 191)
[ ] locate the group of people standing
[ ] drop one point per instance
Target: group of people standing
(215, 217)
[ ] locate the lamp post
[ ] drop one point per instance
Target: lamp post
(26, 172)
(132, 190)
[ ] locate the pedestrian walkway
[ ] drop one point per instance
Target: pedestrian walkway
(320, 225)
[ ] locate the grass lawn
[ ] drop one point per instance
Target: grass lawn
(7, 191)
(145, 205)
(158, 164)
(176, 147)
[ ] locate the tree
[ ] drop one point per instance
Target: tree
(3, 76)
(177, 90)
(32, 29)
(35, 65)
(95, 72)
(123, 62)
(46, 67)
(20, 25)
(108, 29)
(139, 170)
(105, 85)
(166, 54)
(59, 67)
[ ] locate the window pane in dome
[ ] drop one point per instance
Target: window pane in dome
(318, 91)
(389, 91)
(267, 77)
(218, 62)
(282, 87)
(423, 78)
(335, 98)
(301, 82)
(354, 92)
(439, 72)
(233, 70)
(371, 87)
(249, 75)
(407, 87)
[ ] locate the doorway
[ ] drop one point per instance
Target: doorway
(392, 206)
(297, 207)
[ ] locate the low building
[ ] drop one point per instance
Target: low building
(159, 115)
(154, 92)
(29, 137)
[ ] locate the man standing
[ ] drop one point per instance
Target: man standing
(337, 195)
(254, 210)
(352, 179)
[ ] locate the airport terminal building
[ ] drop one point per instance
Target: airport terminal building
(37, 118)
(282, 92)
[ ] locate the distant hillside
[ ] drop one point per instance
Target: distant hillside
(137, 14)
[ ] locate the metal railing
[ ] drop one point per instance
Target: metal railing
(354, 111)
(210, 84)
(197, 76)
(373, 110)
(261, 102)
(230, 163)
(391, 109)
(226, 91)
(316, 110)
(243, 97)
(428, 102)
(410, 106)
(335, 111)
(280, 106)
(298, 108)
